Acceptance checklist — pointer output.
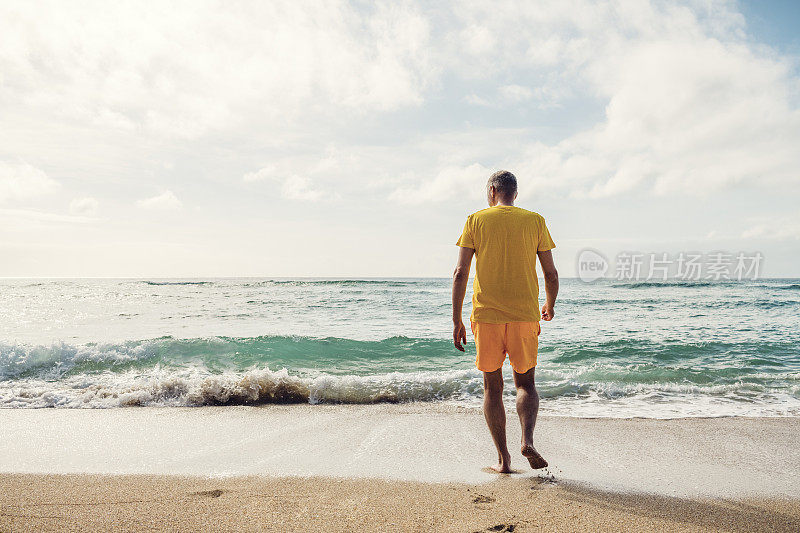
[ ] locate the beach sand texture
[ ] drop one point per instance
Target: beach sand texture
(388, 468)
(164, 503)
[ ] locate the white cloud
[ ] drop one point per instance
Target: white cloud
(166, 201)
(260, 174)
(27, 219)
(300, 188)
(188, 69)
(21, 181)
(684, 89)
(450, 182)
(478, 39)
(773, 227)
(304, 178)
(692, 106)
(293, 187)
(688, 118)
(84, 206)
(515, 93)
(540, 97)
(686, 113)
(474, 99)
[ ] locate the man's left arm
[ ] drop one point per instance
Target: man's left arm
(550, 283)
(460, 280)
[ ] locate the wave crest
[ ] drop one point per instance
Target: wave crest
(668, 283)
(161, 388)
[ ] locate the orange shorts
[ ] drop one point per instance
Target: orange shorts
(520, 340)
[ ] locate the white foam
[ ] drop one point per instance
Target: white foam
(197, 386)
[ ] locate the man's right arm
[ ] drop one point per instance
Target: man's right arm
(550, 283)
(460, 277)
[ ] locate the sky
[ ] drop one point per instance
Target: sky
(352, 139)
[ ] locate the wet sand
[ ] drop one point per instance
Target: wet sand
(726, 457)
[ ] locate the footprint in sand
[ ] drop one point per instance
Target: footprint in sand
(216, 493)
(489, 470)
(500, 527)
(480, 498)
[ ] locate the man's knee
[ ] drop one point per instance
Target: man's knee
(525, 381)
(493, 390)
(527, 388)
(493, 383)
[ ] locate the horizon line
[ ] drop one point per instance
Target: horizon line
(349, 278)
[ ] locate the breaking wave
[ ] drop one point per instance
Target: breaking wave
(613, 378)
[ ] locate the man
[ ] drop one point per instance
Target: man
(505, 240)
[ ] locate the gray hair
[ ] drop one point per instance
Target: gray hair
(504, 182)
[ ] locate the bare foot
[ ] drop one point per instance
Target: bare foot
(501, 468)
(504, 466)
(536, 460)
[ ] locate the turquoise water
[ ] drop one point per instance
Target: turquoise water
(614, 349)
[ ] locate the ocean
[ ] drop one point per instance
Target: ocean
(615, 349)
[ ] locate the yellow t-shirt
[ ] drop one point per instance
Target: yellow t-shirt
(505, 239)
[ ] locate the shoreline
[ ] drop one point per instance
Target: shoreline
(80, 502)
(690, 457)
(388, 467)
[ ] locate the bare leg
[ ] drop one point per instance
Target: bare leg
(495, 413)
(527, 409)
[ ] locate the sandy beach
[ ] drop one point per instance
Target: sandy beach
(388, 467)
(164, 503)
